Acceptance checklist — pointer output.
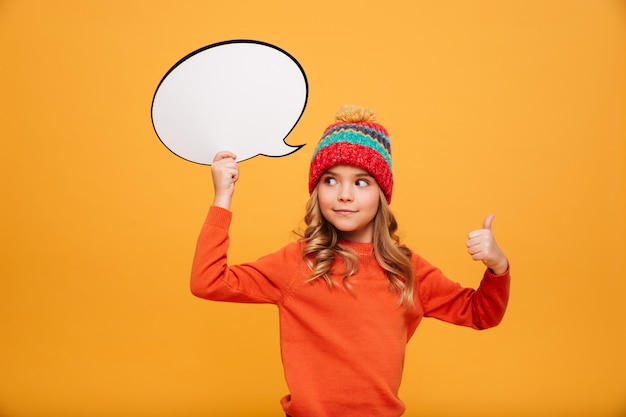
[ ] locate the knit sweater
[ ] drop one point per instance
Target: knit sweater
(342, 348)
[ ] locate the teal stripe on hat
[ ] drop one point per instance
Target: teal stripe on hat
(355, 138)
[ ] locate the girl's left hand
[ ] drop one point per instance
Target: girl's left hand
(483, 247)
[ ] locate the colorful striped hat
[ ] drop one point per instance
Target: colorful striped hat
(354, 139)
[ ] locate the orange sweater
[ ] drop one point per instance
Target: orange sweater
(342, 349)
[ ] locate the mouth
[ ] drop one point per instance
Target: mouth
(344, 211)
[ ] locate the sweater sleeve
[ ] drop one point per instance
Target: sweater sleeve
(212, 278)
(447, 300)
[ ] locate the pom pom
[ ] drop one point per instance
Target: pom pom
(354, 114)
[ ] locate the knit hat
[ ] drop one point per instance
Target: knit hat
(354, 139)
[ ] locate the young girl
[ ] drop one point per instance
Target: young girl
(349, 295)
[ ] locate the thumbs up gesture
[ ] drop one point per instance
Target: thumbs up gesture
(482, 246)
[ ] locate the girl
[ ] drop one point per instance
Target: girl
(349, 295)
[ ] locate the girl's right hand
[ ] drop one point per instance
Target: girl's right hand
(225, 172)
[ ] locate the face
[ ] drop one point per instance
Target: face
(349, 198)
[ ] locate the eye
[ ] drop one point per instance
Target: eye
(329, 180)
(362, 182)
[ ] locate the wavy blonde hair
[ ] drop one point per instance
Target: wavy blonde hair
(321, 248)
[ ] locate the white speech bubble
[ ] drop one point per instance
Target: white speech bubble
(241, 96)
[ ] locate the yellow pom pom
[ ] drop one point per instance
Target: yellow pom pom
(353, 114)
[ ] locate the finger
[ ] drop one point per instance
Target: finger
(224, 155)
(487, 222)
(479, 234)
(473, 250)
(475, 234)
(474, 243)
(233, 174)
(477, 254)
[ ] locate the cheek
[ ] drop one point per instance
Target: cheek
(371, 200)
(324, 199)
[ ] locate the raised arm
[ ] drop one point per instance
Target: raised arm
(481, 308)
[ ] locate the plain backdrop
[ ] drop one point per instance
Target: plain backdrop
(509, 107)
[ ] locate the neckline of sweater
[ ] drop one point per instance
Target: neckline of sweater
(361, 248)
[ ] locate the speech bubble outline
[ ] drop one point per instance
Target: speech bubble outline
(245, 96)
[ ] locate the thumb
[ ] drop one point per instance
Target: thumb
(487, 222)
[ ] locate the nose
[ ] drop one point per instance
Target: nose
(346, 193)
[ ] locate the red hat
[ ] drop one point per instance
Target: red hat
(354, 139)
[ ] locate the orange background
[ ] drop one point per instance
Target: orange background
(511, 107)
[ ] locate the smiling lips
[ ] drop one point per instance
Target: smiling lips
(344, 211)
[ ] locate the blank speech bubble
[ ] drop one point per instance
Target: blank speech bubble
(241, 96)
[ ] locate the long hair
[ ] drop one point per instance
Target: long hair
(321, 248)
